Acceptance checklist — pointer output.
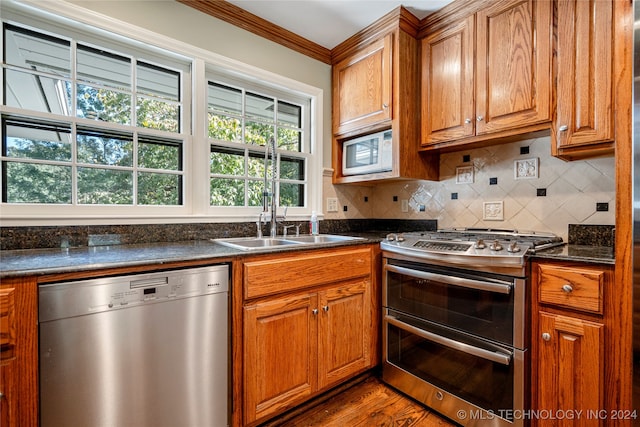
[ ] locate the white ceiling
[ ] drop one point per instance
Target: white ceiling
(330, 22)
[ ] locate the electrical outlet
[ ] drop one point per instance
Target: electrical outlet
(405, 205)
(332, 204)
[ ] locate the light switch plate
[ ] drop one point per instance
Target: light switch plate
(332, 204)
(405, 205)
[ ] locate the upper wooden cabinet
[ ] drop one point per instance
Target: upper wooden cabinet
(362, 87)
(583, 125)
(376, 84)
(510, 90)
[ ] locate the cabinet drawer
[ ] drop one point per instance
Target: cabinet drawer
(288, 273)
(579, 288)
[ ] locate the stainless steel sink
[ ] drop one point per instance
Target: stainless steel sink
(252, 243)
(247, 243)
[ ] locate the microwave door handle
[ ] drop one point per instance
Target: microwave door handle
(497, 357)
(500, 288)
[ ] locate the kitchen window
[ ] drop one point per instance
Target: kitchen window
(89, 125)
(102, 122)
(242, 119)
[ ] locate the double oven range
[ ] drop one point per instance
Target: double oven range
(455, 321)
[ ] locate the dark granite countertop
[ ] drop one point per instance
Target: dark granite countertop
(29, 262)
(578, 253)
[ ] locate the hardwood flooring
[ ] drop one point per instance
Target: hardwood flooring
(366, 403)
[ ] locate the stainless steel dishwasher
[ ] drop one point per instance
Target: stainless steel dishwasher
(138, 350)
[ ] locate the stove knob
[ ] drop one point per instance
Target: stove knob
(400, 238)
(480, 244)
(495, 246)
(513, 247)
(391, 237)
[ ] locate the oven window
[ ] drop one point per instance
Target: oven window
(479, 312)
(485, 383)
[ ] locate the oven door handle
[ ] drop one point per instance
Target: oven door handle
(501, 288)
(493, 356)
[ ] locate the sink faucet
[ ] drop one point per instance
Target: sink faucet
(271, 146)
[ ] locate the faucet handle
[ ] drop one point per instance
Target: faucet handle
(285, 228)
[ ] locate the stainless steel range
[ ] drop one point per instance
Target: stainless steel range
(455, 320)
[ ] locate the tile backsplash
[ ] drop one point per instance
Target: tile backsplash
(517, 185)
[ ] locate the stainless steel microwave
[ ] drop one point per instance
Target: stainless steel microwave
(368, 154)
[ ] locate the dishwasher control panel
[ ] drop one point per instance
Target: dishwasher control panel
(110, 293)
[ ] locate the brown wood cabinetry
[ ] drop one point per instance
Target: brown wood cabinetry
(583, 125)
(376, 87)
(18, 353)
(307, 326)
(487, 75)
(569, 330)
(362, 87)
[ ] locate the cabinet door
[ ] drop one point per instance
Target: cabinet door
(570, 369)
(344, 332)
(584, 76)
(447, 83)
(513, 71)
(280, 347)
(362, 87)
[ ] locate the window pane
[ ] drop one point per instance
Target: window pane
(260, 107)
(225, 128)
(159, 189)
(227, 162)
(104, 186)
(224, 99)
(37, 52)
(292, 169)
(256, 165)
(158, 82)
(37, 142)
(227, 192)
(290, 139)
(38, 93)
(159, 154)
(257, 133)
(34, 183)
(98, 148)
(291, 194)
(254, 193)
(154, 114)
(289, 114)
(104, 105)
(103, 68)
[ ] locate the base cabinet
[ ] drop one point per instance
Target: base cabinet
(311, 332)
(18, 352)
(571, 375)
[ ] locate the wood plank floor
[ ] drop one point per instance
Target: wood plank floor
(366, 403)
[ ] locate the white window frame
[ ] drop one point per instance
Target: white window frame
(46, 16)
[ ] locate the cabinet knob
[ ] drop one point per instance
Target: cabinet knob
(325, 308)
(1, 395)
(467, 121)
(480, 118)
(385, 106)
(567, 288)
(314, 311)
(546, 336)
(563, 128)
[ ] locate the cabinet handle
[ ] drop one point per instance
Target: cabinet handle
(1, 395)
(385, 106)
(315, 311)
(546, 336)
(325, 308)
(467, 121)
(567, 288)
(480, 118)
(563, 128)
